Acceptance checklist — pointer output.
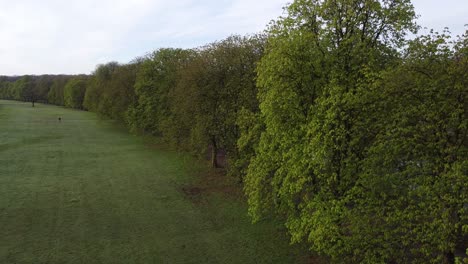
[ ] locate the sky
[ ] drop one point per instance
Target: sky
(73, 36)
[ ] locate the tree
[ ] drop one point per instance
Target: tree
(55, 94)
(94, 93)
(24, 90)
(74, 93)
(120, 92)
(42, 85)
(211, 89)
(155, 78)
(111, 90)
(308, 163)
(6, 87)
(414, 175)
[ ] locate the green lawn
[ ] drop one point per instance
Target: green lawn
(85, 191)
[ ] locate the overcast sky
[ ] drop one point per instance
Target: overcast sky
(59, 36)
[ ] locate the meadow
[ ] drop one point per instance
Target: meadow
(83, 190)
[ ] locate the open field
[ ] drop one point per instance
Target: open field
(85, 191)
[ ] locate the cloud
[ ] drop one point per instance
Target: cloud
(58, 36)
(53, 36)
(191, 23)
(64, 37)
(437, 15)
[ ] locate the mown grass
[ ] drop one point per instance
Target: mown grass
(83, 191)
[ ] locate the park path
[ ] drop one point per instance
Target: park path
(85, 191)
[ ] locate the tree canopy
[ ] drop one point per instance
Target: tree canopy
(332, 162)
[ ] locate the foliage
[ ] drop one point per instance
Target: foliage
(414, 173)
(55, 94)
(321, 161)
(43, 88)
(24, 89)
(111, 91)
(216, 85)
(74, 92)
(6, 88)
(155, 78)
(93, 97)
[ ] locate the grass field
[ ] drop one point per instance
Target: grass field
(85, 191)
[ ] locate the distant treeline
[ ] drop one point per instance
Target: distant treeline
(353, 135)
(53, 89)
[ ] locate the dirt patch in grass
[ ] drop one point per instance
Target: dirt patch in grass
(191, 191)
(213, 181)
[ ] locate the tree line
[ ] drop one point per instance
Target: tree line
(333, 120)
(52, 89)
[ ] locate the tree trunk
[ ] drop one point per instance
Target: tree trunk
(214, 153)
(32, 103)
(449, 258)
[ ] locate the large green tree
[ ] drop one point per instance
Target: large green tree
(94, 99)
(120, 92)
(155, 78)
(55, 94)
(413, 183)
(311, 165)
(210, 92)
(24, 89)
(74, 92)
(6, 87)
(42, 86)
